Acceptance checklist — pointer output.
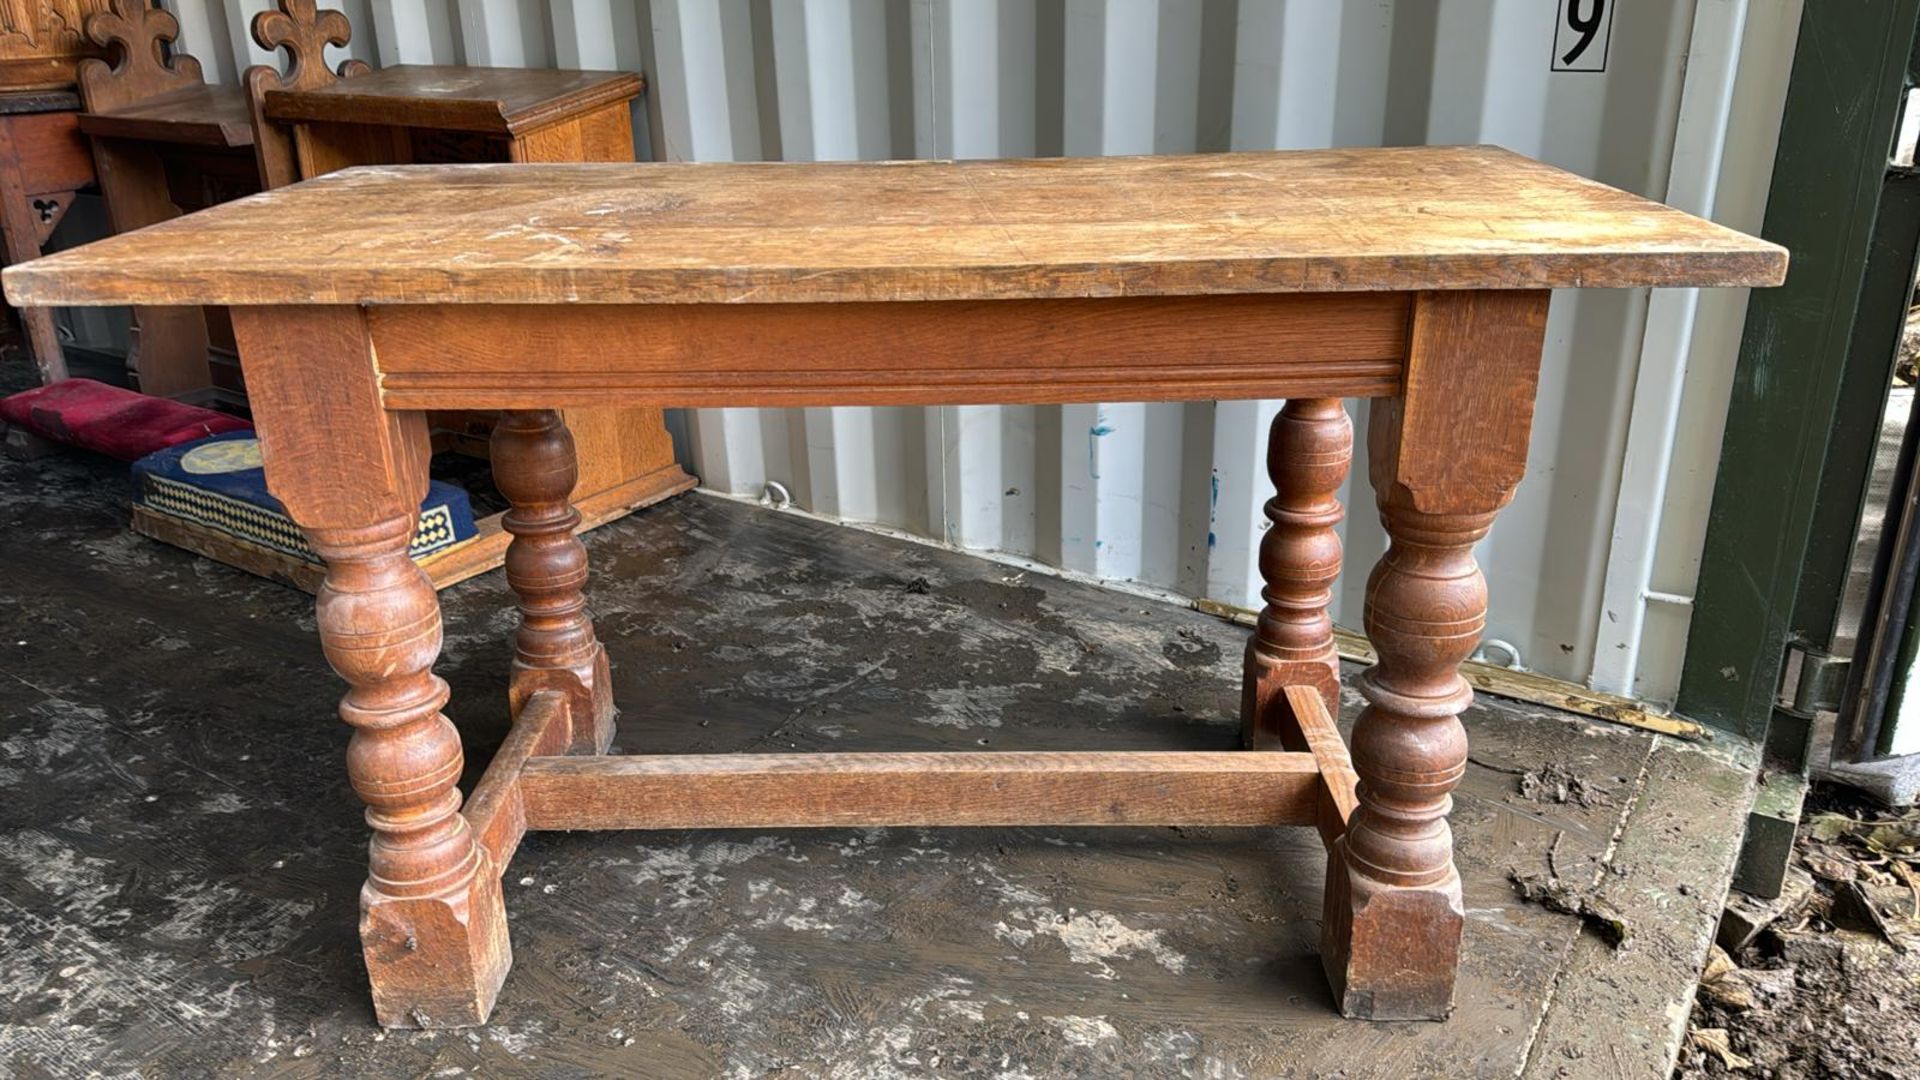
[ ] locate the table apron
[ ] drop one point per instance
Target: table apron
(904, 353)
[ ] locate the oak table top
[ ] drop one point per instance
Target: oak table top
(1286, 221)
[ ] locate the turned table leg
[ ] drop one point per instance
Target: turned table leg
(432, 922)
(554, 648)
(1309, 450)
(1444, 457)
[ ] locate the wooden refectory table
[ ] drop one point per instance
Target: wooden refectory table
(1416, 278)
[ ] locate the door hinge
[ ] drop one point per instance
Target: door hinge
(1816, 681)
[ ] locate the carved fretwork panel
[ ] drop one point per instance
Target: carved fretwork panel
(42, 40)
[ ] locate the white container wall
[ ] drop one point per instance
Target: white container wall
(1590, 568)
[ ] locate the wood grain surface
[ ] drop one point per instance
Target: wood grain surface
(43, 160)
(1337, 779)
(41, 40)
(717, 791)
(495, 813)
(303, 32)
(1309, 452)
(195, 115)
(53, 159)
(1443, 459)
(152, 90)
(502, 101)
(1436, 218)
(1031, 351)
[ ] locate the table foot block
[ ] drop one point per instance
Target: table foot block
(1390, 951)
(437, 961)
(1238, 787)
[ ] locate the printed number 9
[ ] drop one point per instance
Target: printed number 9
(1585, 25)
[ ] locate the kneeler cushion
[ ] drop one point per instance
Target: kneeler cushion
(217, 483)
(110, 420)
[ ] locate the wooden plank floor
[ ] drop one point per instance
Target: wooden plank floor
(180, 855)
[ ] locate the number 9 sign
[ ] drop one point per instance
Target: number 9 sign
(1581, 35)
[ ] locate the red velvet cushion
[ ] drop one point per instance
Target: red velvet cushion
(112, 421)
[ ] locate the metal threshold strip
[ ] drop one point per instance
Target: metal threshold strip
(1511, 683)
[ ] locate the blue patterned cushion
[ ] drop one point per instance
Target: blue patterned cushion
(217, 483)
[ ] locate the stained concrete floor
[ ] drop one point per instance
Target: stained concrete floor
(180, 853)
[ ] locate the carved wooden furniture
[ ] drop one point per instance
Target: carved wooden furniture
(43, 164)
(165, 143)
(43, 158)
(42, 40)
(303, 32)
(310, 121)
(1417, 278)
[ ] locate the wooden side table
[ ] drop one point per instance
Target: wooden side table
(43, 164)
(1416, 278)
(310, 121)
(165, 143)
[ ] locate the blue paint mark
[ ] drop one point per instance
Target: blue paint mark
(1211, 541)
(1099, 429)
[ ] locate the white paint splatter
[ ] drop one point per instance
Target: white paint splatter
(967, 705)
(223, 802)
(1091, 938)
(1083, 1030)
(689, 875)
(1178, 1053)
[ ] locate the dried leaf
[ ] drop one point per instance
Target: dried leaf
(1731, 993)
(1829, 867)
(1894, 836)
(1718, 965)
(1828, 826)
(1912, 880)
(1715, 1041)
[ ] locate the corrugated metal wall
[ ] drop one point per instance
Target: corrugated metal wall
(1634, 391)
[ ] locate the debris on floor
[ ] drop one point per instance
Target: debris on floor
(1554, 894)
(1556, 783)
(1714, 1040)
(1746, 916)
(1823, 981)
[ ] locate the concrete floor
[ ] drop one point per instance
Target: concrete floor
(180, 854)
